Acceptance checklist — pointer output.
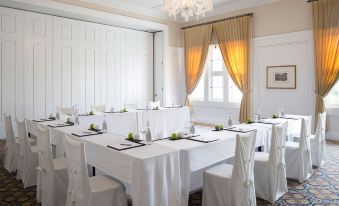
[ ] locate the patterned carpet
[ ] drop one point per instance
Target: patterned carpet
(321, 189)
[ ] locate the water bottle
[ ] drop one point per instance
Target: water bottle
(76, 117)
(257, 116)
(192, 128)
(148, 134)
(230, 122)
(282, 111)
(104, 125)
(112, 107)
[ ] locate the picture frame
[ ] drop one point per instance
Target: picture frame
(281, 77)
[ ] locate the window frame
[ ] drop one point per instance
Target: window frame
(333, 107)
(207, 76)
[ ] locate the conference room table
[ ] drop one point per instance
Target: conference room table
(163, 122)
(158, 174)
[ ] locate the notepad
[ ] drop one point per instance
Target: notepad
(203, 139)
(86, 133)
(124, 145)
(60, 125)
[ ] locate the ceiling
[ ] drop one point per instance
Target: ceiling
(154, 7)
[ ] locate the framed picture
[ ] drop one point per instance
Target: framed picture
(281, 77)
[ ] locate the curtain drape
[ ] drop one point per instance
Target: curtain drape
(197, 41)
(326, 38)
(234, 39)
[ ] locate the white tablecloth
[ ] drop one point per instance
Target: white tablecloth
(163, 122)
(153, 171)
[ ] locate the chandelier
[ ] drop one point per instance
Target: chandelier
(187, 8)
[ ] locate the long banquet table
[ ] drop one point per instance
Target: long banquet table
(158, 174)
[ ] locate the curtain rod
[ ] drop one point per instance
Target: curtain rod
(211, 22)
(310, 1)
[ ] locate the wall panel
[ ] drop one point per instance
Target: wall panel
(38, 65)
(48, 61)
(11, 63)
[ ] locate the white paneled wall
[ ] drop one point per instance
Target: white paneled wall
(48, 61)
(11, 62)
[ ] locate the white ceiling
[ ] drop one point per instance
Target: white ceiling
(154, 7)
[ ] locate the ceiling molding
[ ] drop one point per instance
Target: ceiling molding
(151, 12)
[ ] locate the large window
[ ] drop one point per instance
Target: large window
(332, 99)
(216, 86)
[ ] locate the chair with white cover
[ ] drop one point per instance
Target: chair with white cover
(11, 159)
(66, 110)
(100, 108)
(233, 185)
(84, 190)
(154, 105)
(269, 168)
(52, 173)
(298, 154)
(318, 142)
(30, 156)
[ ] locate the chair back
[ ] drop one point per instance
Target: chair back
(319, 154)
(277, 173)
(100, 108)
(78, 179)
(305, 150)
(23, 136)
(66, 110)
(45, 148)
(242, 174)
(154, 105)
(9, 128)
(10, 161)
(131, 105)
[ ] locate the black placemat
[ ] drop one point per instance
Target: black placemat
(60, 125)
(131, 147)
(86, 135)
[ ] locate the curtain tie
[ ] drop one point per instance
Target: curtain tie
(282, 165)
(249, 182)
(318, 95)
(246, 91)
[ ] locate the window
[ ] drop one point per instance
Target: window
(215, 85)
(332, 99)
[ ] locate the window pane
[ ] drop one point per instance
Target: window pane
(217, 88)
(234, 94)
(332, 98)
(199, 91)
(217, 65)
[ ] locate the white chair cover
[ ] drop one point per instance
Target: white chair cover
(269, 169)
(66, 110)
(298, 155)
(318, 142)
(30, 157)
(84, 190)
(100, 108)
(233, 185)
(12, 148)
(52, 174)
(154, 105)
(131, 105)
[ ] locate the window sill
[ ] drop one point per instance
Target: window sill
(333, 111)
(215, 104)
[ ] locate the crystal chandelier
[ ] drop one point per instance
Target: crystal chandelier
(187, 8)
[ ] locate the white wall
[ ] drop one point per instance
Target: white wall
(49, 61)
(175, 77)
(284, 49)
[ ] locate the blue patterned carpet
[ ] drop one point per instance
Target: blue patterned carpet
(321, 189)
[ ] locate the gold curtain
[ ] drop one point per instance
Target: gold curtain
(197, 41)
(234, 39)
(326, 39)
